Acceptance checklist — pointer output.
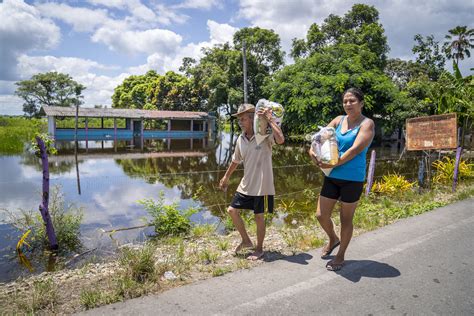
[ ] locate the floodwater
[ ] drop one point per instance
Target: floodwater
(113, 177)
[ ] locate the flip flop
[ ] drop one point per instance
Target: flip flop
(330, 250)
(254, 257)
(334, 266)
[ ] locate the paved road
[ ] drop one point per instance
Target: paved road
(417, 266)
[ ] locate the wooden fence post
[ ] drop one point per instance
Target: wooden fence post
(370, 176)
(44, 207)
(456, 167)
(421, 174)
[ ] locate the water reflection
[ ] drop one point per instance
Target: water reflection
(115, 175)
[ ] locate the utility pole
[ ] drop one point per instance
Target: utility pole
(245, 71)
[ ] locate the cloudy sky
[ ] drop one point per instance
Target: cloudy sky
(101, 42)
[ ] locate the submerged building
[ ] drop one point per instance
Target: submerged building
(120, 124)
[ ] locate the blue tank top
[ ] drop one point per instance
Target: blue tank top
(354, 169)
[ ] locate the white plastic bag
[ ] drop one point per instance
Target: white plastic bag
(324, 145)
(260, 126)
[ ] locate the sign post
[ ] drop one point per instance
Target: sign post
(428, 133)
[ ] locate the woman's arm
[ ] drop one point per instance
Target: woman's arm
(363, 139)
(334, 123)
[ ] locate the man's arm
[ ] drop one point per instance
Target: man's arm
(224, 183)
(277, 133)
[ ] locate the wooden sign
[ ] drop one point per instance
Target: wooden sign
(432, 132)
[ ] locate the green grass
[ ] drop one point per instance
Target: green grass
(91, 298)
(139, 264)
(208, 256)
(16, 131)
(43, 297)
(204, 230)
(218, 271)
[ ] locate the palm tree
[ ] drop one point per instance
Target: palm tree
(460, 41)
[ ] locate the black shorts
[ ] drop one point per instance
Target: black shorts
(344, 190)
(255, 203)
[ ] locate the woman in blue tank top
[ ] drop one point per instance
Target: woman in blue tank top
(354, 134)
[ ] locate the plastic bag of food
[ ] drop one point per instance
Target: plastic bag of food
(260, 125)
(325, 147)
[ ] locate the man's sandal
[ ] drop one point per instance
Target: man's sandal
(330, 250)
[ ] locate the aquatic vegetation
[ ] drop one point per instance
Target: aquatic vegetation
(168, 220)
(66, 220)
(16, 131)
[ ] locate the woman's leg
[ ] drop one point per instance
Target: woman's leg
(347, 214)
(323, 214)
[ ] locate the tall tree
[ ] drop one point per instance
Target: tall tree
(48, 89)
(459, 42)
(359, 26)
(151, 91)
(429, 54)
(221, 70)
(347, 51)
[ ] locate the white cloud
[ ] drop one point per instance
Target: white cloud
(10, 104)
(199, 4)
(30, 65)
(289, 19)
(109, 3)
(218, 34)
(99, 88)
(168, 15)
(22, 29)
(148, 41)
(81, 19)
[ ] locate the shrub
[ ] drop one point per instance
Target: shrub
(392, 184)
(66, 221)
(445, 170)
(167, 219)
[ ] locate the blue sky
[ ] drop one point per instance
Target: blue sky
(101, 42)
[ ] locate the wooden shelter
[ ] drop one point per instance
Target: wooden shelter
(133, 123)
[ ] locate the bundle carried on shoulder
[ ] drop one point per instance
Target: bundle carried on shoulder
(325, 147)
(261, 126)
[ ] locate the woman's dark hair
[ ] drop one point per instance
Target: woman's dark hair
(356, 92)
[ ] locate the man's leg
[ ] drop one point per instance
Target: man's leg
(240, 226)
(260, 221)
(347, 227)
(323, 214)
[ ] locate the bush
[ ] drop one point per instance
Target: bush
(445, 170)
(167, 219)
(392, 184)
(66, 221)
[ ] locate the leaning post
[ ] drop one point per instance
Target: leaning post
(370, 176)
(456, 167)
(44, 207)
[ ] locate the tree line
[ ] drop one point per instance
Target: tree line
(341, 52)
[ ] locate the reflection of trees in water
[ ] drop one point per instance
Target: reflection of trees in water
(57, 167)
(200, 176)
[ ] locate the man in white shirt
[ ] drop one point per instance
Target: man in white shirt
(256, 187)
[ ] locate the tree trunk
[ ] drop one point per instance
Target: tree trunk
(45, 202)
